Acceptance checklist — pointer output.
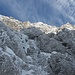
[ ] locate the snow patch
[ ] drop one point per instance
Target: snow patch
(46, 54)
(54, 52)
(0, 15)
(9, 51)
(29, 58)
(27, 72)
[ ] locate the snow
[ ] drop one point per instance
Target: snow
(0, 15)
(27, 72)
(54, 52)
(29, 58)
(46, 54)
(9, 51)
(21, 41)
(34, 63)
(39, 23)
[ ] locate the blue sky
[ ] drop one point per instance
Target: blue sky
(53, 12)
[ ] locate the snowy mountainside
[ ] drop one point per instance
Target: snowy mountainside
(36, 48)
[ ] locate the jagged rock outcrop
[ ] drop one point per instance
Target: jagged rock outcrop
(36, 48)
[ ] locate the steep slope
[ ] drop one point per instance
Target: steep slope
(17, 25)
(36, 48)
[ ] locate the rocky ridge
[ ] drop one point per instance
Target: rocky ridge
(36, 48)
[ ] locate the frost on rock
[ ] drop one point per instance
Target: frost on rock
(37, 49)
(19, 44)
(3, 38)
(7, 66)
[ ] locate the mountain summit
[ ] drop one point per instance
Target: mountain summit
(36, 48)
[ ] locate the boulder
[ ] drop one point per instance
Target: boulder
(48, 44)
(32, 32)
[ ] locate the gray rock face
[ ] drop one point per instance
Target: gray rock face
(32, 32)
(18, 43)
(36, 50)
(62, 64)
(7, 66)
(48, 44)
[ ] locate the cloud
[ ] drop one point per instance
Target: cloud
(54, 12)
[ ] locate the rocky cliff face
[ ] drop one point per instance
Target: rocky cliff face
(36, 48)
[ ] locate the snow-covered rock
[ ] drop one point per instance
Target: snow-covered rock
(7, 65)
(36, 48)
